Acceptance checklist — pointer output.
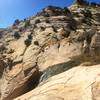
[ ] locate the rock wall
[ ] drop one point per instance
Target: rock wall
(50, 43)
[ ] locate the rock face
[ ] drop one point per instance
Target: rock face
(32, 51)
(79, 83)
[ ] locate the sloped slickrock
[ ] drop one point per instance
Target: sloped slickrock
(79, 83)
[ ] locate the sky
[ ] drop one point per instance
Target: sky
(20, 9)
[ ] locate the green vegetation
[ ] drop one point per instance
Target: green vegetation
(27, 23)
(28, 40)
(16, 35)
(16, 22)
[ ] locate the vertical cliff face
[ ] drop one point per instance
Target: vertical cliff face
(53, 41)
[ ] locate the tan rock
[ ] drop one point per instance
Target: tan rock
(18, 46)
(15, 82)
(45, 48)
(30, 57)
(55, 55)
(79, 83)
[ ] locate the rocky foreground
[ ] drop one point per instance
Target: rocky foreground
(54, 55)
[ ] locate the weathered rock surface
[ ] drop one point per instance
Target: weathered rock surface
(79, 83)
(53, 41)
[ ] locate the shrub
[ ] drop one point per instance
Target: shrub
(42, 28)
(16, 35)
(66, 11)
(87, 13)
(30, 36)
(37, 21)
(36, 43)
(93, 4)
(72, 24)
(86, 21)
(54, 29)
(25, 19)
(27, 23)
(21, 29)
(16, 22)
(2, 47)
(27, 42)
(75, 14)
(66, 33)
(98, 16)
(82, 2)
(47, 21)
(46, 14)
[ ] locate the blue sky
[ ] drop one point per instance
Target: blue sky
(20, 9)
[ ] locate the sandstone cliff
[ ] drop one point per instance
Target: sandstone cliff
(54, 55)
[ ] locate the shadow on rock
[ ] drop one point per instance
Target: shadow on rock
(58, 68)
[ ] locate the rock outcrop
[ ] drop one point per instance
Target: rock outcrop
(79, 83)
(34, 50)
